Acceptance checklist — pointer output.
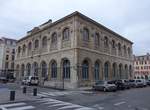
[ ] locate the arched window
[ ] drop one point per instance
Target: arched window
(44, 42)
(36, 44)
(96, 70)
(130, 71)
(54, 69)
(66, 34)
(66, 69)
(113, 44)
(97, 39)
(119, 47)
(22, 69)
(114, 71)
(24, 48)
(120, 71)
(29, 46)
(106, 70)
(106, 44)
(129, 52)
(28, 69)
(126, 72)
(44, 69)
(54, 38)
(19, 49)
(125, 50)
(35, 69)
(85, 34)
(85, 69)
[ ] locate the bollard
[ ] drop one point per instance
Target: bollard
(35, 92)
(12, 95)
(24, 90)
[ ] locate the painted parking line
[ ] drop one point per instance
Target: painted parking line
(119, 103)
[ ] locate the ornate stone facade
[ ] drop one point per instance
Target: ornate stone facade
(142, 66)
(72, 52)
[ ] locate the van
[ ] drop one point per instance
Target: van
(30, 80)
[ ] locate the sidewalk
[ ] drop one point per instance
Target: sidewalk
(19, 96)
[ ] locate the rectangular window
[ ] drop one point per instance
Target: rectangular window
(6, 65)
(7, 57)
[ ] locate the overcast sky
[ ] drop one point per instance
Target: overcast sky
(130, 18)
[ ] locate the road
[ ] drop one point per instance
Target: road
(49, 99)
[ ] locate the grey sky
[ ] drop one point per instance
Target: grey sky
(130, 18)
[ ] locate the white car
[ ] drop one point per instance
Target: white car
(30, 80)
(144, 82)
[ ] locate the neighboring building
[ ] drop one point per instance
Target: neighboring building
(7, 56)
(142, 66)
(72, 52)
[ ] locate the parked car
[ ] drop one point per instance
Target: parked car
(104, 86)
(136, 83)
(148, 82)
(144, 82)
(3, 79)
(120, 85)
(30, 80)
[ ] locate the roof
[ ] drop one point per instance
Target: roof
(76, 13)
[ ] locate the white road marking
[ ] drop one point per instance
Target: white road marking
(69, 106)
(16, 106)
(11, 105)
(65, 105)
(22, 108)
(119, 103)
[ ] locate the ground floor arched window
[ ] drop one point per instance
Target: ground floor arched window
(106, 70)
(54, 69)
(44, 69)
(130, 71)
(35, 69)
(66, 69)
(114, 71)
(85, 69)
(120, 71)
(126, 72)
(28, 68)
(96, 70)
(22, 70)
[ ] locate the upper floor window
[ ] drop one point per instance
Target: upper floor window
(24, 48)
(54, 38)
(113, 44)
(66, 34)
(129, 51)
(97, 39)
(119, 46)
(19, 49)
(44, 41)
(29, 46)
(125, 51)
(7, 57)
(36, 44)
(85, 34)
(13, 51)
(106, 44)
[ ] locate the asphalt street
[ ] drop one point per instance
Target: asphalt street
(50, 99)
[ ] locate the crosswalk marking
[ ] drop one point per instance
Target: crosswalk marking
(11, 105)
(61, 105)
(16, 106)
(45, 94)
(22, 108)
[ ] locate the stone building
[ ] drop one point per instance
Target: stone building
(7, 55)
(142, 66)
(72, 52)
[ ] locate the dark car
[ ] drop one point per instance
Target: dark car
(104, 86)
(120, 85)
(3, 79)
(148, 82)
